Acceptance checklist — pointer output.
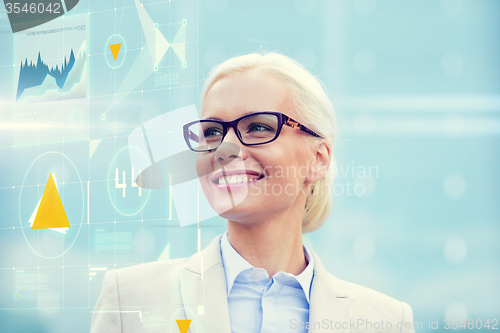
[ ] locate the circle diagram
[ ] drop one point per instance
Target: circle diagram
(115, 51)
(51, 205)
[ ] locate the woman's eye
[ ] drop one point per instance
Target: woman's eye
(259, 128)
(210, 132)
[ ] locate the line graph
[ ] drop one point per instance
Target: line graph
(50, 82)
(51, 65)
(36, 74)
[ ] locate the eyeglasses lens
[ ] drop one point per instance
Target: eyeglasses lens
(254, 129)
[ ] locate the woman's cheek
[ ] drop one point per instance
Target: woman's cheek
(203, 164)
(254, 191)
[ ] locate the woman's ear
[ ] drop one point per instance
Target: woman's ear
(322, 153)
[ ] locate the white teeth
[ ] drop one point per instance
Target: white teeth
(236, 180)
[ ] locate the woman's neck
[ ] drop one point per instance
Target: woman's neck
(274, 245)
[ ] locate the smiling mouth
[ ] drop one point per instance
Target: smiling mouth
(237, 179)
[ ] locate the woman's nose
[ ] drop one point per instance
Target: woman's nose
(225, 154)
(228, 149)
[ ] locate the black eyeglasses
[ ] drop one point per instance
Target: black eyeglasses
(252, 129)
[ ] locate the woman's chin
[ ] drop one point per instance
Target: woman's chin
(227, 199)
(234, 213)
(228, 202)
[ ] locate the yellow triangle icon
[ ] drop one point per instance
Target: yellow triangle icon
(51, 212)
(115, 48)
(183, 325)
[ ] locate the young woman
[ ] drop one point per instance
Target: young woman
(265, 161)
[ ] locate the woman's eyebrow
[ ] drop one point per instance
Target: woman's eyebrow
(212, 118)
(217, 118)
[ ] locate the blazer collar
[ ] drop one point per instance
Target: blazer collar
(329, 301)
(203, 282)
(200, 263)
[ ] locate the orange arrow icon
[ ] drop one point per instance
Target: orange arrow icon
(115, 48)
(51, 212)
(183, 325)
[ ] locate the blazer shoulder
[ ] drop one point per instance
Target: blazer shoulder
(150, 284)
(366, 294)
(150, 271)
(372, 305)
(127, 291)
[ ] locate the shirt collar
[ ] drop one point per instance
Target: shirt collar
(234, 264)
(305, 278)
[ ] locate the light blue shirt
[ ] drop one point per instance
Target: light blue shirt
(259, 304)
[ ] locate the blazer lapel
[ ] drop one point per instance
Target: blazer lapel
(330, 305)
(203, 283)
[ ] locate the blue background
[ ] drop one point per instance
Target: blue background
(416, 88)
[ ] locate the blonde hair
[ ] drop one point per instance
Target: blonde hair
(310, 102)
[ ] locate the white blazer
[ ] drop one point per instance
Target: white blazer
(151, 297)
